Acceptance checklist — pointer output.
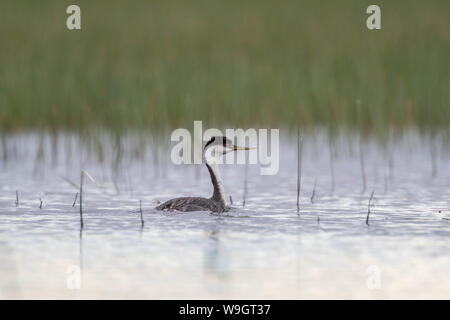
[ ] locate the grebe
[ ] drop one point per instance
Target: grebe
(214, 149)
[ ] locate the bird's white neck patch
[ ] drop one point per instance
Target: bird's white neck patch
(213, 164)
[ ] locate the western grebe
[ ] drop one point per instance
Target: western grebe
(214, 149)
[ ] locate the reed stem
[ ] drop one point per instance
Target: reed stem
(81, 199)
(368, 207)
(75, 201)
(299, 167)
(142, 216)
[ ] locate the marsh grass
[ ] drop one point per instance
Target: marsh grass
(154, 64)
(141, 213)
(368, 207)
(84, 173)
(313, 194)
(75, 200)
(299, 167)
(81, 200)
(245, 187)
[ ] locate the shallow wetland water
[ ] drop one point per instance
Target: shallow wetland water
(263, 250)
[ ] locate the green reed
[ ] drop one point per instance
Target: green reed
(147, 65)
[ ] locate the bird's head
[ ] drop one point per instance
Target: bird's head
(220, 145)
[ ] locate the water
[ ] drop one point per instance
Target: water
(263, 250)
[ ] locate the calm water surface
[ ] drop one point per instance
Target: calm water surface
(263, 250)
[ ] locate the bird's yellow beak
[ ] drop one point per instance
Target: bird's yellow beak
(235, 148)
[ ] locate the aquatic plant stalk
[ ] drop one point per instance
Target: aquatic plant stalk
(368, 207)
(82, 174)
(314, 191)
(244, 196)
(330, 147)
(299, 167)
(363, 171)
(81, 199)
(142, 216)
(75, 201)
(433, 159)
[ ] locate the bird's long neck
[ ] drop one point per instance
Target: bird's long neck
(219, 192)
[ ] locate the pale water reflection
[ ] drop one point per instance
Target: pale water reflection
(262, 250)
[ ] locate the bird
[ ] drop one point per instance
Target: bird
(216, 147)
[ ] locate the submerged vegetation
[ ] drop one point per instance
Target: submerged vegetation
(156, 64)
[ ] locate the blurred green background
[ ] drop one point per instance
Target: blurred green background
(144, 65)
